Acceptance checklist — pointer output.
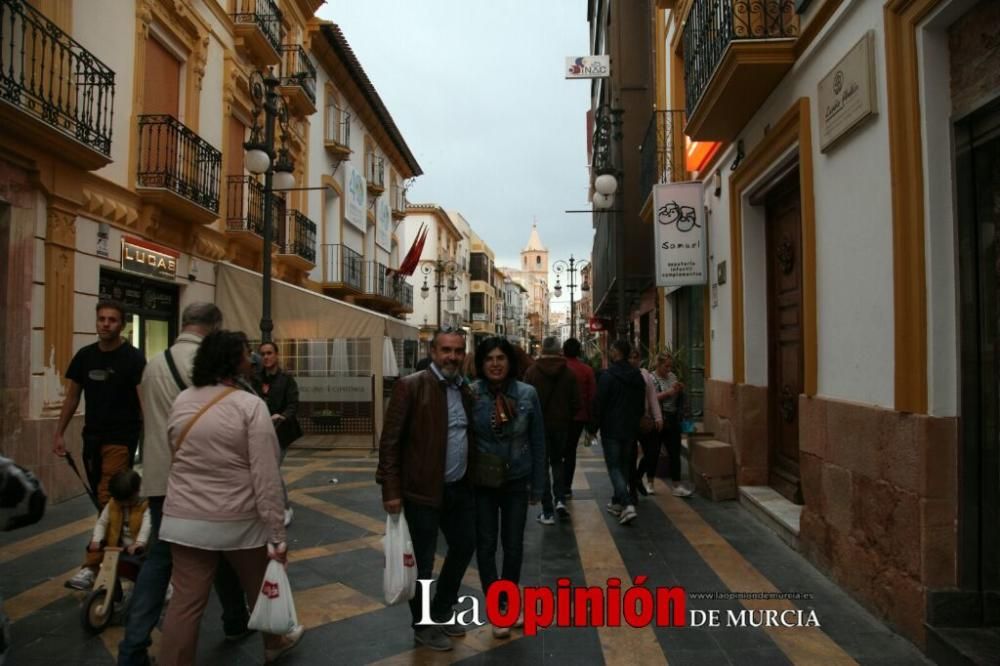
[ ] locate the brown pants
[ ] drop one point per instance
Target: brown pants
(193, 572)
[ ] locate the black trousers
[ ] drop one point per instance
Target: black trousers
(572, 440)
(456, 519)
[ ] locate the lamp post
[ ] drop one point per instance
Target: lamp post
(277, 171)
(440, 268)
(570, 268)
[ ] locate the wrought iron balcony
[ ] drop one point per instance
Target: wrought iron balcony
(402, 294)
(397, 196)
(735, 53)
(177, 169)
(259, 26)
(298, 79)
(343, 268)
(297, 240)
(661, 152)
(377, 281)
(375, 171)
(245, 208)
(49, 81)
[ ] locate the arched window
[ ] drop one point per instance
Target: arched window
(538, 260)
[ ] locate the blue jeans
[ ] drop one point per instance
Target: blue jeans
(151, 588)
(617, 458)
(501, 510)
(455, 518)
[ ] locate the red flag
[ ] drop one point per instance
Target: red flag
(409, 262)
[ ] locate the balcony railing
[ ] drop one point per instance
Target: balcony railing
(377, 282)
(267, 17)
(50, 76)
(343, 266)
(298, 236)
(297, 69)
(338, 126)
(713, 24)
(375, 171)
(403, 293)
(174, 158)
(245, 204)
(660, 154)
(397, 195)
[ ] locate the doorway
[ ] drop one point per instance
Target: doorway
(977, 155)
(151, 322)
(786, 381)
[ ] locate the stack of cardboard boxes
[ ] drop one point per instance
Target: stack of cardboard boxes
(713, 469)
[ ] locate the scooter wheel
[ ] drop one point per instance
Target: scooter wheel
(95, 615)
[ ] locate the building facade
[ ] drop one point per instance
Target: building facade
(123, 175)
(850, 215)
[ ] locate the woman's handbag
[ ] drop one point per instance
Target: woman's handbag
(490, 470)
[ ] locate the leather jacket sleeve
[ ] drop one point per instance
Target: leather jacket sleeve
(388, 473)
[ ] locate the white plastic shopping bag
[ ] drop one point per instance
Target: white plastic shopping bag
(274, 612)
(399, 580)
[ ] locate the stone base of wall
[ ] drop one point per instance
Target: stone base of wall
(31, 447)
(879, 488)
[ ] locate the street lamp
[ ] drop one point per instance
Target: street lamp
(440, 268)
(277, 170)
(570, 268)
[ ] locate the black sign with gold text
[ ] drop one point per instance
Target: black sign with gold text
(145, 258)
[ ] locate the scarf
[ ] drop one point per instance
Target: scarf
(504, 407)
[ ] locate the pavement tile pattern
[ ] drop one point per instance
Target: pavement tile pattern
(336, 573)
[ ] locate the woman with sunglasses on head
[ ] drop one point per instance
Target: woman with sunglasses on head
(510, 463)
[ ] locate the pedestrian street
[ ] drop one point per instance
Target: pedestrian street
(336, 572)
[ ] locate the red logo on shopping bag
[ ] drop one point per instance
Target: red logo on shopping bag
(408, 560)
(270, 589)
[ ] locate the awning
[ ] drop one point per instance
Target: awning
(299, 313)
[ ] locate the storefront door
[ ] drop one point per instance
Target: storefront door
(977, 142)
(152, 309)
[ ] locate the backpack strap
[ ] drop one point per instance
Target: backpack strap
(173, 369)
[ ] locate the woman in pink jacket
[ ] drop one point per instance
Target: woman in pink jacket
(224, 495)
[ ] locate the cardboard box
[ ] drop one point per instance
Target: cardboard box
(713, 469)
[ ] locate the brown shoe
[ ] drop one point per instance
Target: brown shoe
(288, 641)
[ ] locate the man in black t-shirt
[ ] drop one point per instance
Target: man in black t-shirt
(107, 374)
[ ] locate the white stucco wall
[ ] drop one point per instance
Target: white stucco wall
(853, 232)
(106, 28)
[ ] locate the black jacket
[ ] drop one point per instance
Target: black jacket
(281, 394)
(620, 402)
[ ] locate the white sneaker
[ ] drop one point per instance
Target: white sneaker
(82, 580)
(288, 516)
(681, 489)
(628, 515)
(614, 509)
(501, 632)
(648, 485)
(562, 510)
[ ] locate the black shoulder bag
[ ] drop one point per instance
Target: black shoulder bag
(173, 369)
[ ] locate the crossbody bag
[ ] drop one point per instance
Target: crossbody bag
(205, 408)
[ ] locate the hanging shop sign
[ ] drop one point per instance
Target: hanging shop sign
(357, 194)
(679, 234)
(847, 94)
(145, 258)
(588, 67)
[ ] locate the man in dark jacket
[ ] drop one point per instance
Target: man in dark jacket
(620, 403)
(425, 452)
(281, 393)
(558, 393)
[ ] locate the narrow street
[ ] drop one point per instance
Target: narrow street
(336, 571)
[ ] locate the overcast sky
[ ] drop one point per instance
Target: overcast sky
(476, 88)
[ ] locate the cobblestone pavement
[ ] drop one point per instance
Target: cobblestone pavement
(336, 572)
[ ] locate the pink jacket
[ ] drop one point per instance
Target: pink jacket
(227, 466)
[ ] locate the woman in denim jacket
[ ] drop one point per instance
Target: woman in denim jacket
(507, 421)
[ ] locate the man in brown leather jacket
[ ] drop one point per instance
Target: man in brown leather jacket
(424, 456)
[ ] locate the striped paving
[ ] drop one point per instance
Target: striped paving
(336, 563)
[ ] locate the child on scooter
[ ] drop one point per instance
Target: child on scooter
(124, 522)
